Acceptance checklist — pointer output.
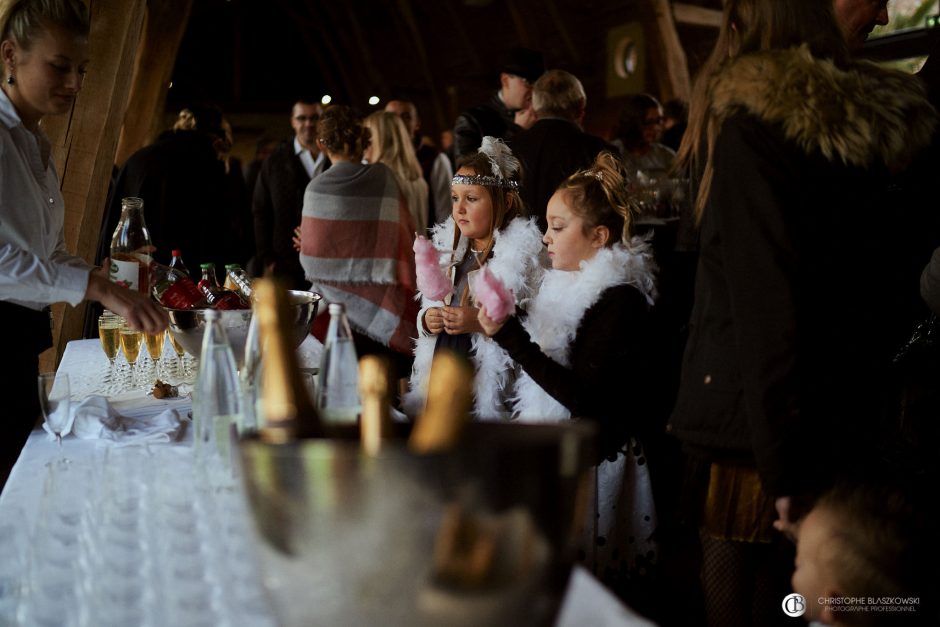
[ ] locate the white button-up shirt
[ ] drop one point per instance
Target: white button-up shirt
(311, 165)
(35, 269)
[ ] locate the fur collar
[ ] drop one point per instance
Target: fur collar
(557, 310)
(859, 115)
(516, 261)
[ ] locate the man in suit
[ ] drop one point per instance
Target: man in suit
(555, 147)
(278, 196)
(508, 111)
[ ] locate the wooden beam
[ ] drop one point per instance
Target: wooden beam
(667, 53)
(164, 27)
(693, 15)
(84, 143)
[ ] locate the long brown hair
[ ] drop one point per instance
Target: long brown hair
(752, 26)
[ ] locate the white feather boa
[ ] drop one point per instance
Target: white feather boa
(516, 261)
(555, 313)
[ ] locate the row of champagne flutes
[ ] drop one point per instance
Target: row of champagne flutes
(117, 338)
(138, 536)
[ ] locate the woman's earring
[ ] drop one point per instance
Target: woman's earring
(10, 80)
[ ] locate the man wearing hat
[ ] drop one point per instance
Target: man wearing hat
(509, 110)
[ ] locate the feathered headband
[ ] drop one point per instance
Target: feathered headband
(502, 162)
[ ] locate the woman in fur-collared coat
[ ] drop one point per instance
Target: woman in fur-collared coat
(783, 368)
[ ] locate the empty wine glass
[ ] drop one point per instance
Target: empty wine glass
(54, 400)
(109, 332)
(130, 344)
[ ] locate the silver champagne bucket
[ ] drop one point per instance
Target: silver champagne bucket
(349, 539)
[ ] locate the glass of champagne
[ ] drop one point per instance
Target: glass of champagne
(178, 349)
(109, 332)
(130, 344)
(154, 343)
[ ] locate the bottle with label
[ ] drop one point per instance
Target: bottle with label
(338, 391)
(242, 283)
(131, 247)
(174, 289)
(177, 262)
(288, 412)
(208, 275)
(216, 408)
(221, 299)
(229, 284)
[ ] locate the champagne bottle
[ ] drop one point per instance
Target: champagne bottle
(450, 391)
(289, 413)
(376, 393)
(131, 247)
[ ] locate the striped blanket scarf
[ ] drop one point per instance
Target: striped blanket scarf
(356, 236)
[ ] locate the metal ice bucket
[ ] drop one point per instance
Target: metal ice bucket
(188, 325)
(348, 539)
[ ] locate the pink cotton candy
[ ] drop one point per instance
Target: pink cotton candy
(432, 282)
(493, 295)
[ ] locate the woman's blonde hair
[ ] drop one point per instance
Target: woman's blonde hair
(599, 197)
(392, 145)
(752, 26)
(24, 20)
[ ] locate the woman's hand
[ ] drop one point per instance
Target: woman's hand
(138, 309)
(434, 320)
(296, 238)
(490, 327)
(459, 320)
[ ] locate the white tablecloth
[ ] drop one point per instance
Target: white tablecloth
(152, 535)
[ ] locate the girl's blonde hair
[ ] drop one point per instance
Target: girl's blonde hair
(25, 20)
(599, 197)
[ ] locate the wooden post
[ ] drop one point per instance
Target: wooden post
(164, 27)
(666, 53)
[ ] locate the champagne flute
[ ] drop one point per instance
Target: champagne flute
(109, 332)
(130, 344)
(154, 343)
(178, 349)
(54, 400)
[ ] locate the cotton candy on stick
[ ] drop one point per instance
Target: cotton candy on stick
(493, 295)
(432, 282)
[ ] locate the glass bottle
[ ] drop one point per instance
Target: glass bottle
(229, 284)
(174, 289)
(131, 247)
(177, 262)
(250, 378)
(242, 283)
(217, 400)
(208, 275)
(338, 391)
(289, 413)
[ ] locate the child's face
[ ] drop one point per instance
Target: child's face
(567, 243)
(813, 577)
(473, 208)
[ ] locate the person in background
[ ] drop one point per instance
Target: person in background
(509, 111)
(638, 135)
(44, 53)
(181, 178)
(390, 144)
(278, 195)
(484, 231)
(785, 368)
(556, 146)
(675, 121)
(857, 19)
(264, 148)
(435, 165)
(365, 263)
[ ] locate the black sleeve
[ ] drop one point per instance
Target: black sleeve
(608, 362)
(263, 213)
